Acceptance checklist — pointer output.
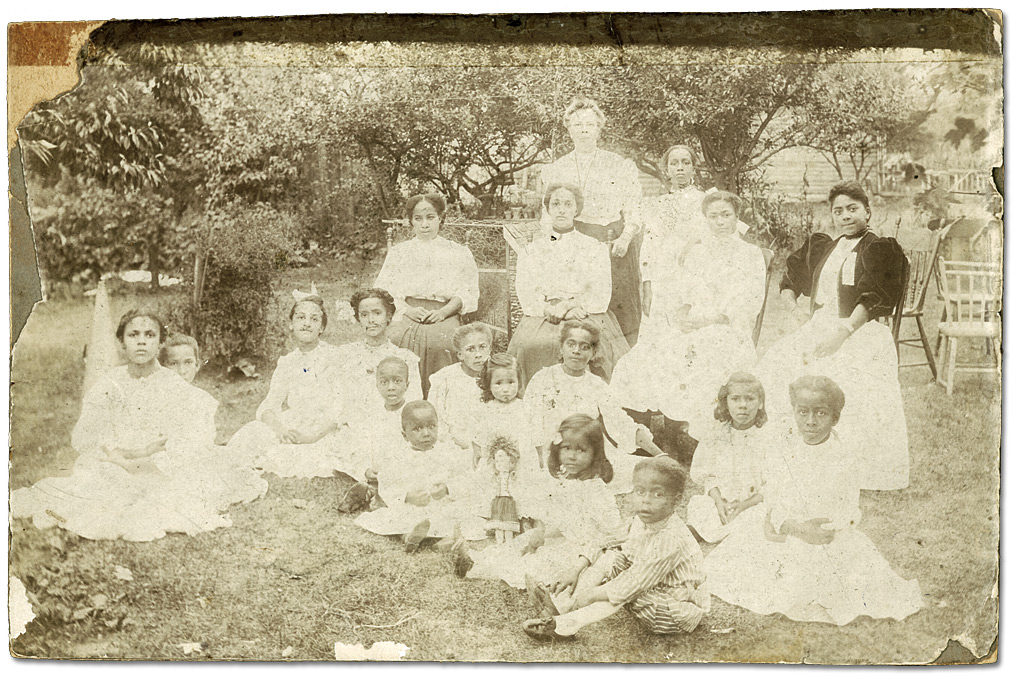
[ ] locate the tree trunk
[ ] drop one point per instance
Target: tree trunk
(154, 254)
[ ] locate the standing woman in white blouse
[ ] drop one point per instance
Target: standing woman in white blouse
(612, 193)
(564, 275)
(433, 282)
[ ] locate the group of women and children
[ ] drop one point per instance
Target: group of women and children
(634, 314)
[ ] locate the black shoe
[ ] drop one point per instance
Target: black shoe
(414, 538)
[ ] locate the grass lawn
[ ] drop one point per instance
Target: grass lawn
(292, 576)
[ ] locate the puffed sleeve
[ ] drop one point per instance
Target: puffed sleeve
(392, 276)
(528, 284)
(95, 427)
(278, 389)
(881, 284)
(465, 279)
(799, 276)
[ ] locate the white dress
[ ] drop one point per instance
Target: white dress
(357, 364)
(834, 582)
(184, 488)
(730, 460)
(553, 395)
(457, 399)
(404, 470)
(680, 373)
(305, 393)
(873, 424)
(581, 518)
(511, 419)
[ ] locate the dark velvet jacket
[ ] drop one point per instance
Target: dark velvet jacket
(879, 275)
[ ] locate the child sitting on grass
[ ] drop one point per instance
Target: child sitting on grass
(809, 560)
(425, 485)
(144, 440)
(303, 405)
(657, 574)
(728, 462)
(454, 391)
(572, 509)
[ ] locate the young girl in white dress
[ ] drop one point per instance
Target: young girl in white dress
(433, 281)
(575, 512)
(145, 440)
(570, 388)
(454, 390)
(373, 310)
(809, 560)
(728, 461)
(304, 406)
(503, 409)
(709, 325)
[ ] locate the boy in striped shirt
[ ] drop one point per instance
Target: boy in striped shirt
(657, 573)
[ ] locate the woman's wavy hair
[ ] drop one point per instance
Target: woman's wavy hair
(135, 313)
(580, 104)
(367, 294)
(572, 188)
(437, 201)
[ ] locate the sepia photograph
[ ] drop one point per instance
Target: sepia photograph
(568, 337)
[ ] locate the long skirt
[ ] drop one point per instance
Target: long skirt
(536, 345)
(433, 343)
(626, 301)
(872, 424)
(834, 582)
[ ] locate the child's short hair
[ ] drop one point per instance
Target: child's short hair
(722, 409)
(589, 326)
(835, 399)
(669, 470)
(590, 432)
(572, 188)
(135, 313)
(732, 199)
(177, 340)
(396, 362)
(311, 299)
(499, 360)
(414, 410)
(369, 293)
(437, 201)
(463, 332)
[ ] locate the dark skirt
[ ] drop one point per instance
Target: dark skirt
(626, 301)
(433, 343)
(536, 345)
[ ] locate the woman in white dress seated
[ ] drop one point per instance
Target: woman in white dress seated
(564, 275)
(707, 332)
(433, 282)
(848, 283)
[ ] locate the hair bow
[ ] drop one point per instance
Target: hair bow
(557, 438)
(301, 295)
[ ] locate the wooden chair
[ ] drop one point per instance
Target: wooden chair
(769, 255)
(973, 300)
(921, 265)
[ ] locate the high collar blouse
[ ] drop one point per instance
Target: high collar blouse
(438, 269)
(609, 183)
(568, 266)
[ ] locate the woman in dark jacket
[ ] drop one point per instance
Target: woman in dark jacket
(847, 284)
